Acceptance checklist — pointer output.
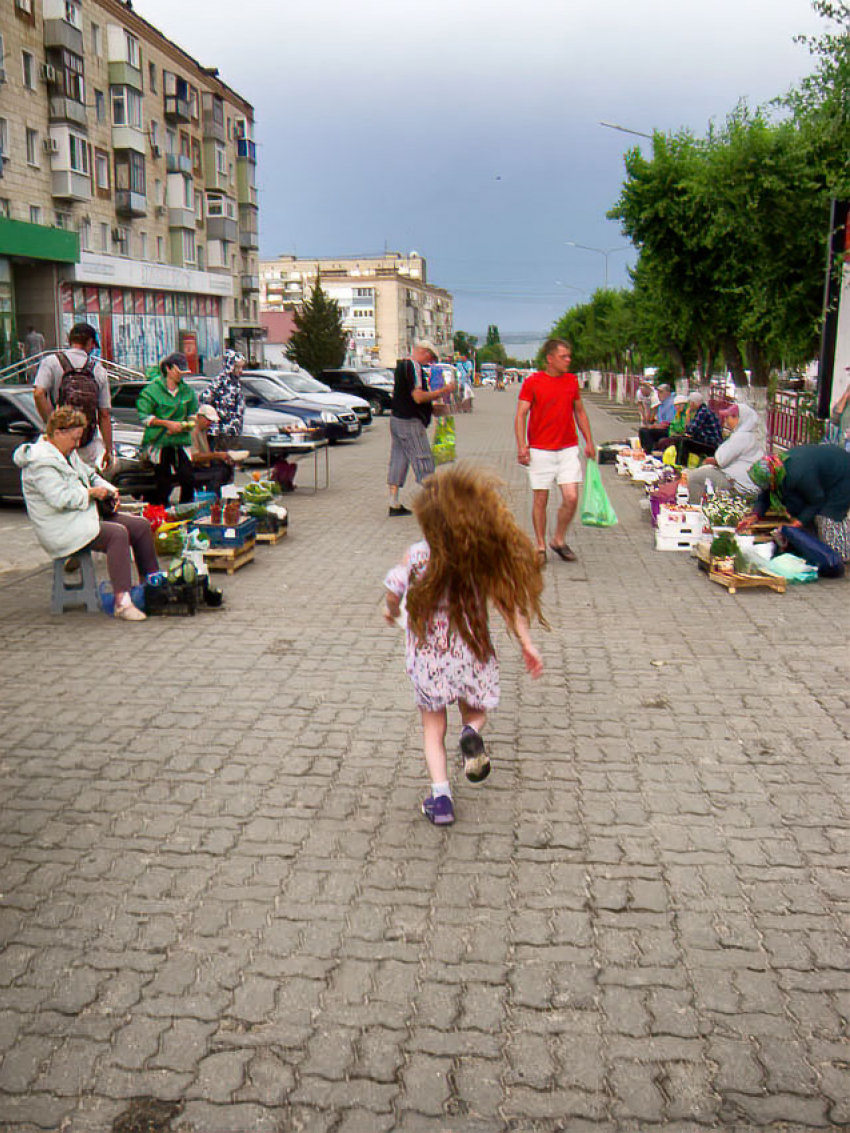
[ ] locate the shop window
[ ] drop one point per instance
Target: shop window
(32, 147)
(28, 68)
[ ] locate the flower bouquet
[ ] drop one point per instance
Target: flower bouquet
(725, 510)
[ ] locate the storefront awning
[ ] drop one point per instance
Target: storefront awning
(37, 242)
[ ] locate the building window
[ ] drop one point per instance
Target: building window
(220, 158)
(185, 145)
(28, 65)
(85, 235)
(35, 214)
(170, 141)
(95, 39)
(62, 220)
(199, 206)
(73, 82)
(5, 207)
(104, 237)
(188, 194)
(122, 240)
(160, 249)
(99, 106)
(194, 104)
(143, 245)
(132, 45)
(130, 172)
(126, 107)
(79, 154)
(199, 252)
(32, 147)
(158, 196)
(215, 204)
(152, 77)
(72, 14)
(196, 156)
(101, 170)
(4, 138)
(188, 246)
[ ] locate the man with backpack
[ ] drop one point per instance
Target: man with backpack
(72, 377)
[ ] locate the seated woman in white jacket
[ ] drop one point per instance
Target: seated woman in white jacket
(728, 468)
(61, 493)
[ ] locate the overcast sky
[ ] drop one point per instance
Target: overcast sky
(469, 131)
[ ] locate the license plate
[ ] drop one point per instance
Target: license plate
(352, 428)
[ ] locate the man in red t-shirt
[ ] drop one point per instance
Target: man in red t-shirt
(549, 409)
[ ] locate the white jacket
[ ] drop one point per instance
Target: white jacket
(56, 491)
(741, 450)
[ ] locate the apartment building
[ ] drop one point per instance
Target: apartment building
(127, 187)
(386, 301)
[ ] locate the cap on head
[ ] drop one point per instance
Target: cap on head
(696, 397)
(427, 344)
(82, 333)
(209, 412)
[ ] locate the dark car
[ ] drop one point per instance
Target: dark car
(361, 383)
(20, 422)
(337, 421)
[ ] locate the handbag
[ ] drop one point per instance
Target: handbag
(106, 508)
(596, 510)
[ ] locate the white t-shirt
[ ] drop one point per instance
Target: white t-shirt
(645, 403)
(49, 378)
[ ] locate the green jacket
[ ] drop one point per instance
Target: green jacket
(156, 401)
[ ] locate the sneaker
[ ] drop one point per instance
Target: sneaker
(476, 762)
(129, 613)
(439, 810)
(400, 509)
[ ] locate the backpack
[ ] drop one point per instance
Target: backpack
(78, 388)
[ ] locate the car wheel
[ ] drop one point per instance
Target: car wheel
(376, 406)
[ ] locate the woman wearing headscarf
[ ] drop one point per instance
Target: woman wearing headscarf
(729, 468)
(225, 396)
(811, 481)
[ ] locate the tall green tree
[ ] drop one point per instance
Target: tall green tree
(464, 343)
(493, 336)
(319, 341)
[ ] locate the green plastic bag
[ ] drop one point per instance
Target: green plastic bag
(443, 447)
(596, 510)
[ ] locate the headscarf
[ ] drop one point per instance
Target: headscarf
(769, 474)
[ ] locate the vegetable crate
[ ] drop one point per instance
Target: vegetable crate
(222, 536)
(230, 559)
(678, 528)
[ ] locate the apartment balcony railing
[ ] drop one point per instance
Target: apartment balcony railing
(128, 203)
(178, 163)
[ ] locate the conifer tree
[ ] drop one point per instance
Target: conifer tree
(319, 341)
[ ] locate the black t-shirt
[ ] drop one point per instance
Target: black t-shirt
(407, 376)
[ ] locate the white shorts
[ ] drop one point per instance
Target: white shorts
(554, 466)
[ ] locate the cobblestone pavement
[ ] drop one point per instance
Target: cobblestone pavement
(218, 890)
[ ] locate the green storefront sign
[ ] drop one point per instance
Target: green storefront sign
(36, 242)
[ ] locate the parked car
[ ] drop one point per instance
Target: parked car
(337, 422)
(300, 383)
(260, 426)
(358, 382)
(20, 421)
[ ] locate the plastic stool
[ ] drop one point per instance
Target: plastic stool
(82, 593)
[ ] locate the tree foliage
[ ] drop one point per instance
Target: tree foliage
(464, 343)
(319, 341)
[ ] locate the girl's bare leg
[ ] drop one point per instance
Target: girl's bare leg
(434, 735)
(475, 717)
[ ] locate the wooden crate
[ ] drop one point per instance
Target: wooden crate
(271, 537)
(230, 559)
(734, 582)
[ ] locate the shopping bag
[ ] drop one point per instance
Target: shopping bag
(443, 447)
(596, 510)
(817, 554)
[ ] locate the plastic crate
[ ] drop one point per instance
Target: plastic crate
(174, 599)
(679, 521)
(675, 542)
(220, 535)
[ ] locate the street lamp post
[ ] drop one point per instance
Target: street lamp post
(606, 252)
(626, 130)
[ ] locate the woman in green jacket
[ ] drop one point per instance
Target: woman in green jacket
(167, 407)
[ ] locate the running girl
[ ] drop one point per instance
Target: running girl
(473, 553)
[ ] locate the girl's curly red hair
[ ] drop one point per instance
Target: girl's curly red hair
(478, 554)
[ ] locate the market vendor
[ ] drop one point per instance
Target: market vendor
(729, 468)
(662, 415)
(212, 469)
(810, 482)
(703, 433)
(166, 406)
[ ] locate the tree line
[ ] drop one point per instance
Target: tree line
(731, 232)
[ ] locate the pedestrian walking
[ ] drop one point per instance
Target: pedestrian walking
(33, 346)
(73, 377)
(473, 553)
(225, 396)
(410, 417)
(549, 410)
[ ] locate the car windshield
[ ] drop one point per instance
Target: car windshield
(302, 383)
(267, 389)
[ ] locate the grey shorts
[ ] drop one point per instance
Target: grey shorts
(410, 449)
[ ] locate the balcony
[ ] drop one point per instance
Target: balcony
(71, 186)
(221, 228)
(246, 150)
(128, 203)
(178, 163)
(130, 137)
(249, 241)
(181, 218)
(213, 120)
(67, 110)
(124, 74)
(250, 283)
(176, 108)
(60, 34)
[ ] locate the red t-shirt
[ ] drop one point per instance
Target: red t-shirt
(551, 423)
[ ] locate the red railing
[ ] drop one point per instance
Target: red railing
(788, 423)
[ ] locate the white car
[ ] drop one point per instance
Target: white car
(300, 383)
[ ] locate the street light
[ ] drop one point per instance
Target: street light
(606, 252)
(572, 287)
(626, 130)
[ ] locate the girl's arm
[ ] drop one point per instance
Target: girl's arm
(392, 607)
(518, 625)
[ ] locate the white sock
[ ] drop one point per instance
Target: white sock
(438, 789)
